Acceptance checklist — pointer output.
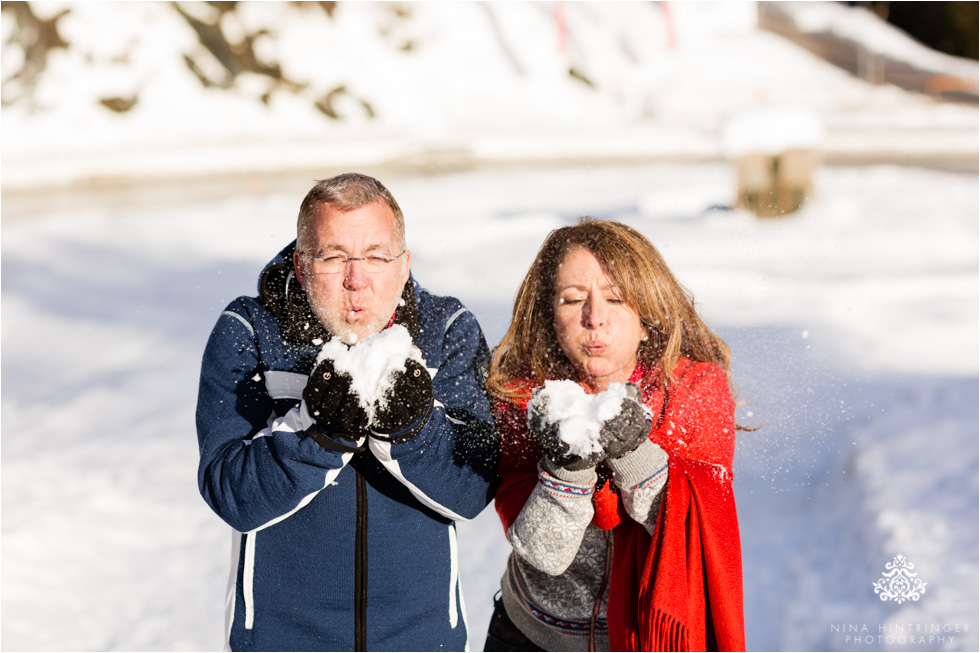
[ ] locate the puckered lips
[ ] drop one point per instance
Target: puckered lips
(355, 313)
(595, 347)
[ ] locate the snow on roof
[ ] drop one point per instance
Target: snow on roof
(875, 35)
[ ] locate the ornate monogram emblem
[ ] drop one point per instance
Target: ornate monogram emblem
(899, 583)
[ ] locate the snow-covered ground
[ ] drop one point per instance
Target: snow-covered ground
(853, 326)
(853, 323)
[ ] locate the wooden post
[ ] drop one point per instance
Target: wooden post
(773, 185)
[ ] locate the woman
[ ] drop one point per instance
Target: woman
(597, 564)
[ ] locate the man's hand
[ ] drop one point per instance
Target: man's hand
(627, 430)
(336, 409)
(407, 404)
(546, 433)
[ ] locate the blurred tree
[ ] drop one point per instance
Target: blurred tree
(35, 38)
(235, 58)
(225, 53)
(238, 56)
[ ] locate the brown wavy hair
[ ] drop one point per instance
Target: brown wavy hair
(530, 349)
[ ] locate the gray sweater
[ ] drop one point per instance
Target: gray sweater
(555, 586)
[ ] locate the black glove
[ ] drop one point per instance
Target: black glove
(336, 409)
(408, 404)
(627, 430)
(546, 433)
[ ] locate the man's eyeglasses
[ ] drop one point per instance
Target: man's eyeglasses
(338, 263)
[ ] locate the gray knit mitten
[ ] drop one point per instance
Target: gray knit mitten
(627, 430)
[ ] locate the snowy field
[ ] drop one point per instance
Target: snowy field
(853, 326)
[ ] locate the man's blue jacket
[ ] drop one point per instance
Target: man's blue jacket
(340, 550)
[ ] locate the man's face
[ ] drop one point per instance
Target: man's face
(353, 304)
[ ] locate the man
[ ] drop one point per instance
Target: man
(344, 523)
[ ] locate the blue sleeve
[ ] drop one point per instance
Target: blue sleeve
(451, 465)
(255, 468)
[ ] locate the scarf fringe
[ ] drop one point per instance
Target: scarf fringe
(668, 634)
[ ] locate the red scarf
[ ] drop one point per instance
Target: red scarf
(681, 589)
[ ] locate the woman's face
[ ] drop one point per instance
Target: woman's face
(596, 330)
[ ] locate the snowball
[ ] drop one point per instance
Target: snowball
(372, 364)
(580, 416)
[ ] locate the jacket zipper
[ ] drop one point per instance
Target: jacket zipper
(360, 565)
(597, 606)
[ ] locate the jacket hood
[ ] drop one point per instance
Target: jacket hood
(283, 258)
(281, 294)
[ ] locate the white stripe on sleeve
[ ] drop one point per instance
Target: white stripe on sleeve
(453, 576)
(248, 580)
(382, 451)
(296, 420)
(285, 385)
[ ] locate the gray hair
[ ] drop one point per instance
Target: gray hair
(346, 192)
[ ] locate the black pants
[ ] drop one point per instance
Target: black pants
(503, 635)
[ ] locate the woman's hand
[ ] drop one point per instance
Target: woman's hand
(546, 433)
(617, 437)
(627, 430)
